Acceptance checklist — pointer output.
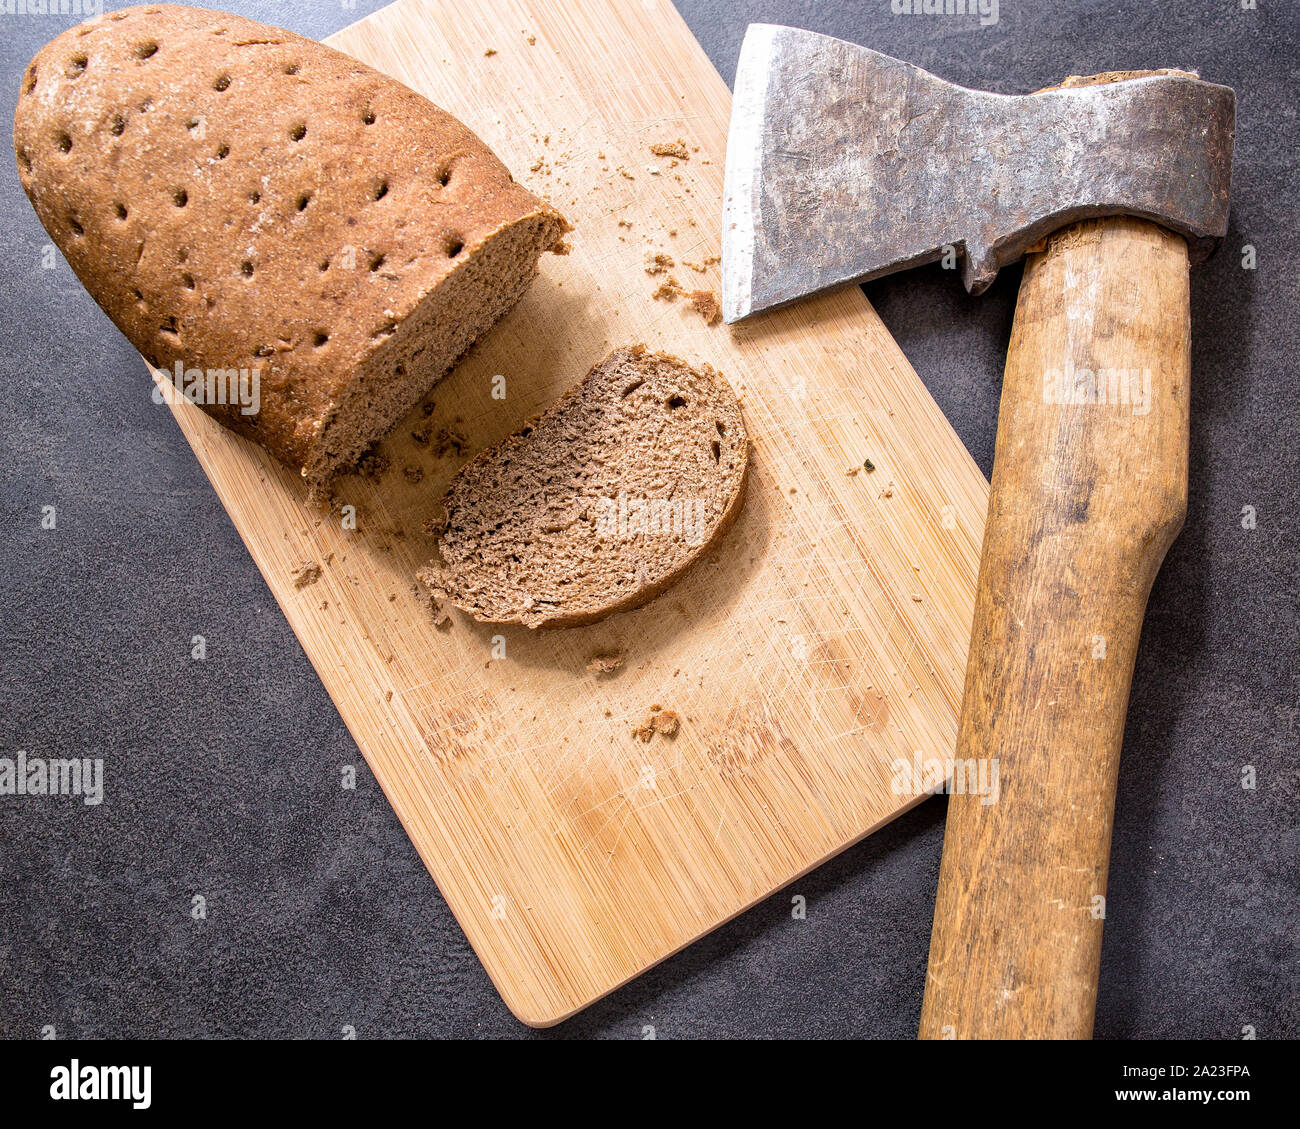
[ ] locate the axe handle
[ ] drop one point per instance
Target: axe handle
(1086, 497)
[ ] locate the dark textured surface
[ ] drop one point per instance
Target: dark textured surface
(223, 776)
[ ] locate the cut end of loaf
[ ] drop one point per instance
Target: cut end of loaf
(242, 200)
(417, 351)
(601, 502)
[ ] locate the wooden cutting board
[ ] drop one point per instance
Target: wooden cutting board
(826, 637)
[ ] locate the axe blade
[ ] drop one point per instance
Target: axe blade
(844, 164)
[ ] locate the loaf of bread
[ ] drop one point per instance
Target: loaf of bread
(248, 203)
(600, 502)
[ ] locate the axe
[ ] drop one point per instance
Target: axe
(844, 165)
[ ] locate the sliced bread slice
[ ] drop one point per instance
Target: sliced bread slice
(304, 245)
(599, 503)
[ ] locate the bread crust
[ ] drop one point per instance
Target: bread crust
(236, 196)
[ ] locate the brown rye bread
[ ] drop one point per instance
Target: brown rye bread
(236, 197)
(534, 530)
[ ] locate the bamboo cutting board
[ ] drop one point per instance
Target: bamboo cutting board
(825, 638)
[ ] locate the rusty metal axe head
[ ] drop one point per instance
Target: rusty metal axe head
(844, 164)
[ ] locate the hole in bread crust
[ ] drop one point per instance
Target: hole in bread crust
(368, 116)
(323, 265)
(444, 177)
(223, 152)
(118, 126)
(676, 400)
(75, 225)
(77, 66)
(454, 246)
(25, 159)
(119, 209)
(303, 201)
(146, 50)
(64, 142)
(298, 132)
(721, 429)
(291, 68)
(246, 269)
(187, 280)
(717, 451)
(320, 339)
(30, 85)
(222, 83)
(377, 262)
(381, 190)
(180, 197)
(254, 196)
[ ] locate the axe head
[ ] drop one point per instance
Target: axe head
(844, 164)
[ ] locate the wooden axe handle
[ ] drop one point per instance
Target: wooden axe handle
(1089, 490)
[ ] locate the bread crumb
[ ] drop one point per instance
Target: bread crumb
(530, 39)
(450, 441)
(489, 52)
(671, 149)
(668, 290)
(659, 720)
(607, 662)
(667, 723)
(306, 573)
(373, 466)
(437, 612)
(706, 302)
(658, 263)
